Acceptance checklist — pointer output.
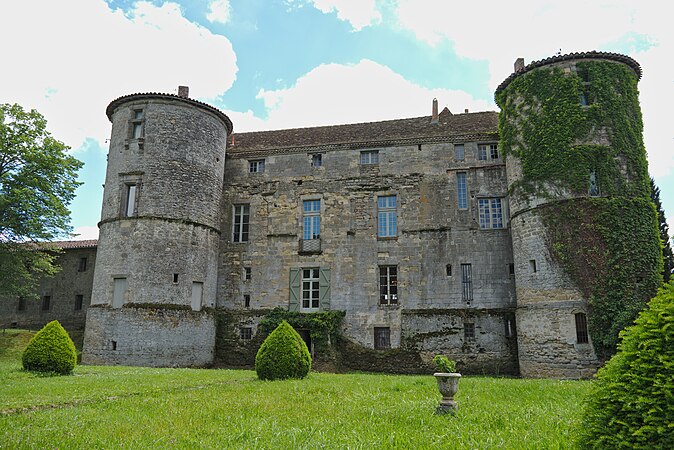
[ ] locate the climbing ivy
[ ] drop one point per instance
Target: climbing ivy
(609, 244)
(321, 325)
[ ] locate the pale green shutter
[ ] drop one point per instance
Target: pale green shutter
(324, 289)
(295, 285)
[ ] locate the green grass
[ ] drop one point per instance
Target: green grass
(130, 407)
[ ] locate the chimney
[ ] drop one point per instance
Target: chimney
(519, 64)
(465, 111)
(183, 91)
(434, 115)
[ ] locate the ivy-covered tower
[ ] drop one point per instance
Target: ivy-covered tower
(155, 279)
(584, 230)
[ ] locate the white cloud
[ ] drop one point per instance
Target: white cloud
(360, 13)
(84, 233)
(537, 29)
(219, 11)
(71, 68)
(336, 94)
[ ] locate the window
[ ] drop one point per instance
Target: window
(583, 99)
(459, 152)
(175, 278)
(510, 325)
(448, 270)
(487, 151)
(22, 304)
(467, 282)
(386, 215)
(82, 267)
(469, 331)
(462, 190)
(382, 338)
(247, 273)
(594, 185)
(491, 213)
(256, 166)
(532, 266)
(246, 333)
(388, 285)
(46, 303)
(79, 301)
(581, 329)
(311, 210)
(310, 290)
(137, 124)
(241, 223)
(369, 157)
(246, 301)
(511, 269)
(316, 160)
(130, 200)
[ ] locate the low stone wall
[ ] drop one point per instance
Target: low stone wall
(149, 337)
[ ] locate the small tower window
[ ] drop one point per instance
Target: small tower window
(448, 270)
(581, 329)
(532, 266)
(136, 124)
(594, 184)
(246, 301)
(247, 273)
(316, 160)
(175, 278)
(130, 200)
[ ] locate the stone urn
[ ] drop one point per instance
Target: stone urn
(448, 384)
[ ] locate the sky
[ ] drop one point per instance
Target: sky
(272, 64)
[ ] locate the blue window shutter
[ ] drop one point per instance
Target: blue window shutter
(295, 284)
(324, 289)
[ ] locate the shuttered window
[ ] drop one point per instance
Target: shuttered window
(309, 289)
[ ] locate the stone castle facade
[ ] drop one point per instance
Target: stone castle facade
(408, 226)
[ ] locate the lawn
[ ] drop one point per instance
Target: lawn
(132, 407)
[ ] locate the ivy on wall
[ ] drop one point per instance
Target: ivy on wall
(322, 325)
(563, 127)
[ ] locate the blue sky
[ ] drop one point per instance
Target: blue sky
(273, 64)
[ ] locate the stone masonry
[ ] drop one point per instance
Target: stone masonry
(405, 225)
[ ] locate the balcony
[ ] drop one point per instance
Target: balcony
(310, 246)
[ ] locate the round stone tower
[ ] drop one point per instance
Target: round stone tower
(156, 265)
(584, 231)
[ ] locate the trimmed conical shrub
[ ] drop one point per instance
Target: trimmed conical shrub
(50, 350)
(283, 355)
(631, 405)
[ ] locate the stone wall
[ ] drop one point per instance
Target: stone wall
(432, 234)
(63, 289)
(153, 337)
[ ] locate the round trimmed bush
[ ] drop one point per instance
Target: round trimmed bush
(283, 355)
(50, 350)
(631, 405)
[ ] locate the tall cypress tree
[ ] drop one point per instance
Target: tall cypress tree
(667, 255)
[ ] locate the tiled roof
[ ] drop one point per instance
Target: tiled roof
(157, 95)
(571, 56)
(90, 243)
(455, 127)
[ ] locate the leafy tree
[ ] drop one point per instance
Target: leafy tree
(50, 350)
(283, 355)
(667, 255)
(37, 182)
(631, 405)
